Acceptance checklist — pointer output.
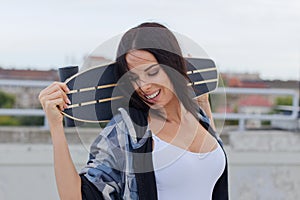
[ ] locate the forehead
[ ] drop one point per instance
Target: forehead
(139, 59)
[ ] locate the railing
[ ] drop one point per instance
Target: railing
(241, 117)
(22, 111)
(24, 83)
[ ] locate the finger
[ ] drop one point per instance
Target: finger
(62, 106)
(64, 89)
(63, 86)
(56, 86)
(54, 104)
(47, 91)
(54, 90)
(59, 94)
(203, 98)
(53, 100)
(66, 106)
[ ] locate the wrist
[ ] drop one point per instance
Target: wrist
(56, 128)
(203, 102)
(204, 99)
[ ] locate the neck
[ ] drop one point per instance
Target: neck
(173, 111)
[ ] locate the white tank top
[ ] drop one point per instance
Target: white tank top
(181, 174)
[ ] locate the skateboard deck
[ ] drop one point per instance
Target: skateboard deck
(94, 91)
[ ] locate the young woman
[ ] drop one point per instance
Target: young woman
(159, 145)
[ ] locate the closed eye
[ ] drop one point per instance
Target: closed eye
(153, 72)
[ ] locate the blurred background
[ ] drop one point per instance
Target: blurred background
(255, 45)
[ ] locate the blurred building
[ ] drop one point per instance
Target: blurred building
(246, 80)
(22, 74)
(13, 82)
(253, 104)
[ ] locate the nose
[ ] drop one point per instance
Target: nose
(143, 85)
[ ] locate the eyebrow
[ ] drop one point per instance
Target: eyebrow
(153, 65)
(147, 69)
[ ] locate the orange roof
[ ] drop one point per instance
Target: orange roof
(50, 75)
(252, 84)
(254, 100)
(234, 82)
(224, 109)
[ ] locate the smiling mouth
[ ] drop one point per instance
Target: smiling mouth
(152, 96)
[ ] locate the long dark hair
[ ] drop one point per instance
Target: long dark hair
(163, 45)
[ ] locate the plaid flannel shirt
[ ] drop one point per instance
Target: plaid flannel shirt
(109, 166)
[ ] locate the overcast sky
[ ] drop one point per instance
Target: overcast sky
(240, 36)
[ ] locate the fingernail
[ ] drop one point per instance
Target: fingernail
(67, 88)
(68, 100)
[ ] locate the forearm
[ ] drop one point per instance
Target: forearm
(54, 100)
(67, 179)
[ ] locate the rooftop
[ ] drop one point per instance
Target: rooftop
(17, 74)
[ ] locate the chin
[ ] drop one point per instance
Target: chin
(156, 106)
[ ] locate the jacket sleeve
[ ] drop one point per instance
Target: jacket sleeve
(101, 178)
(220, 191)
(89, 190)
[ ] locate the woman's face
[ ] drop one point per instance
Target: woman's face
(149, 80)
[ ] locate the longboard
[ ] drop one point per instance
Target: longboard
(94, 92)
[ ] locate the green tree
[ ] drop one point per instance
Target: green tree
(9, 121)
(7, 100)
(287, 101)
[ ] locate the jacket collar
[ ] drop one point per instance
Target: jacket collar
(134, 140)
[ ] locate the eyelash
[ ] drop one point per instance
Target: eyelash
(153, 73)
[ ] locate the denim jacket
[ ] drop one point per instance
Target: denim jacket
(113, 165)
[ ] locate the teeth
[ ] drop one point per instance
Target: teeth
(152, 95)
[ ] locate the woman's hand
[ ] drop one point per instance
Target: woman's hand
(203, 102)
(54, 100)
(203, 99)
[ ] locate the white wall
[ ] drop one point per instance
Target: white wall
(26, 171)
(262, 165)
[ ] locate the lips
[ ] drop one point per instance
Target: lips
(153, 95)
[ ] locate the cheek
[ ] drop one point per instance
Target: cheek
(163, 80)
(135, 86)
(166, 82)
(169, 87)
(137, 89)
(170, 93)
